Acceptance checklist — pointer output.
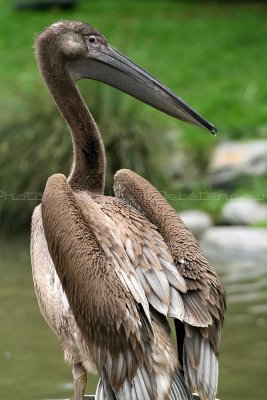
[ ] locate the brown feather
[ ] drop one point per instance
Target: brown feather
(106, 255)
(103, 308)
(204, 301)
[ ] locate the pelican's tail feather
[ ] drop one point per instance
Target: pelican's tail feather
(142, 387)
(135, 390)
(179, 389)
(104, 390)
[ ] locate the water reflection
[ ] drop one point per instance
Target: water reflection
(31, 361)
(244, 345)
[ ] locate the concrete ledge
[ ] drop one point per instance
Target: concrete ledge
(92, 397)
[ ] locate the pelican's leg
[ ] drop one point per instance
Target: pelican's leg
(79, 379)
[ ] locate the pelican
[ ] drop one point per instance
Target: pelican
(108, 271)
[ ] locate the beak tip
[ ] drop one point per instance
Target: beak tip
(213, 130)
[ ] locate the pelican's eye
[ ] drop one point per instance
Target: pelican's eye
(92, 39)
(94, 43)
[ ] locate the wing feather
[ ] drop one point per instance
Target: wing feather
(201, 364)
(174, 277)
(201, 298)
(154, 300)
(145, 250)
(105, 231)
(159, 284)
(176, 309)
(107, 300)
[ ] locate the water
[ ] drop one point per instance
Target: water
(31, 362)
(243, 369)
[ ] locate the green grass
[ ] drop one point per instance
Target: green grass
(214, 55)
(260, 224)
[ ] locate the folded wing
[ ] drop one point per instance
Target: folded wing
(201, 307)
(108, 303)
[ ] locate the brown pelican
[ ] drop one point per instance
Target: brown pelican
(108, 271)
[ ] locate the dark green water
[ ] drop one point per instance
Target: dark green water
(31, 361)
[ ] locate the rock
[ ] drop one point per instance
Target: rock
(244, 212)
(235, 245)
(196, 220)
(233, 159)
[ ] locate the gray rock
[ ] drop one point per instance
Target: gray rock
(235, 245)
(233, 159)
(196, 220)
(244, 212)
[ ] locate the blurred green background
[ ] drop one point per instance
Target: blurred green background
(212, 54)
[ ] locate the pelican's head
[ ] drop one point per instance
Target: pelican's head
(87, 54)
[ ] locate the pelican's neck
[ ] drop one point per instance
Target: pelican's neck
(89, 156)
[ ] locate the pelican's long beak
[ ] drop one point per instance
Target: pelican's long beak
(113, 68)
